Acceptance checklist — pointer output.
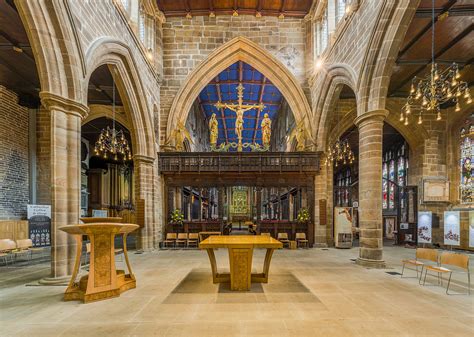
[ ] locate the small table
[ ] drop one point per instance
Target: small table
(103, 280)
(240, 257)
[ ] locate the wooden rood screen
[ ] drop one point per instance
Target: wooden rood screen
(275, 162)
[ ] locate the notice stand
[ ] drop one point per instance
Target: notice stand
(343, 227)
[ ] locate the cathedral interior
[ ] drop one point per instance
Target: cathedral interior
(315, 154)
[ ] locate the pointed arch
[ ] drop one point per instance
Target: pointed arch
(336, 76)
(239, 49)
(115, 54)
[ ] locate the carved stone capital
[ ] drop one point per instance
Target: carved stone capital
(139, 158)
(55, 102)
(371, 116)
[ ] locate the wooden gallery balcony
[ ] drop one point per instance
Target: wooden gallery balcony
(243, 162)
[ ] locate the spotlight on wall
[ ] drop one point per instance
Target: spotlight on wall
(235, 13)
(281, 16)
(212, 14)
(348, 9)
(17, 49)
(188, 15)
(258, 15)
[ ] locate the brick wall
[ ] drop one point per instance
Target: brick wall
(14, 186)
(187, 42)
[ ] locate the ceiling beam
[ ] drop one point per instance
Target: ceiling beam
(259, 5)
(260, 101)
(465, 10)
(242, 11)
(425, 29)
(211, 6)
(443, 50)
(219, 97)
(13, 68)
(282, 7)
(236, 5)
(247, 101)
(15, 43)
(102, 91)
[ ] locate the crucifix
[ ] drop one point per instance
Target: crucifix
(239, 110)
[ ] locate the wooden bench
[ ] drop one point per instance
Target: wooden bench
(460, 261)
(426, 254)
(7, 246)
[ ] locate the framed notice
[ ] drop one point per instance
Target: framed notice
(39, 224)
(435, 190)
(452, 235)
(471, 228)
(343, 227)
(99, 213)
(425, 225)
(390, 223)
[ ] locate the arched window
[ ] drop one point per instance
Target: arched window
(125, 4)
(141, 26)
(466, 145)
(323, 32)
(340, 9)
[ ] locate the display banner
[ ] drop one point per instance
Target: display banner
(99, 213)
(39, 224)
(343, 226)
(471, 228)
(425, 220)
(452, 236)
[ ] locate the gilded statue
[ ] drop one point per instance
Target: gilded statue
(179, 135)
(239, 110)
(299, 133)
(214, 130)
(266, 130)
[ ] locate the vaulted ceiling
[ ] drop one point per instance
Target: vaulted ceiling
(258, 89)
(294, 8)
(454, 42)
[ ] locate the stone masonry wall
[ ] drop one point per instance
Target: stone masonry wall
(187, 42)
(14, 185)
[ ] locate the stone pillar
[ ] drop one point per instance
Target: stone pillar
(370, 126)
(65, 118)
(144, 187)
(321, 198)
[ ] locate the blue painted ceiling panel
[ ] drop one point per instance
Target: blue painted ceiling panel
(224, 88)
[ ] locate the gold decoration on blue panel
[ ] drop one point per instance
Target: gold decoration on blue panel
(112, 142)
(240, 108)
(439, 87)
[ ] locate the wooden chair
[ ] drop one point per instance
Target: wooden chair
(193, 240)
(182, 239)
(283, 238)
(23, 248)
(170, 240)
(460, 261)
(7, 246)
(301, 240)
(426, 254)
(266, 234)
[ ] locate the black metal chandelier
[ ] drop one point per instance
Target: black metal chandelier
(112, 142)
(439, 87)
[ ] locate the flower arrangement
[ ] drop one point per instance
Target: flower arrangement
(303, 215)
(177, 217)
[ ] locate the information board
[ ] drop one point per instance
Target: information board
(452, 235)
(425, 222)
(39, 224)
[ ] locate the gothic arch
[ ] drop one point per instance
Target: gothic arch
(54, 46)
(385, 42)
(337, 75)
(239, 49)
(118, 57)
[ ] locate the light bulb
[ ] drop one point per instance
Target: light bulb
(450, 94)
(412, 89)
(454, 82)
(457, 76)
(401, 117)
(458, 92)
(469, 100)
(406, 121)
(408, 110)
(467, 93)
(424, 101)
(420, 120)
(436, 76)
(458, 107)
(438, 117)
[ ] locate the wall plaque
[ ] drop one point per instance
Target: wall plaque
(435, 190)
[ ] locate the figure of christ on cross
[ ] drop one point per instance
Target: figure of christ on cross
(239, 110)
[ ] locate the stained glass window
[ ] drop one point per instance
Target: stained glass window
(467, 169)
(385, 186)
(340, 9)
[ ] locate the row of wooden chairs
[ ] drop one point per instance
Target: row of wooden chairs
(439, 264)
(10, 250)
(184, 240)
(300, 239)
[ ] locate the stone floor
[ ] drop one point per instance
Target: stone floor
(315, 292)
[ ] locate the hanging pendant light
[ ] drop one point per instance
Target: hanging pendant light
(339, 152)
(429, 93)
(112, 142)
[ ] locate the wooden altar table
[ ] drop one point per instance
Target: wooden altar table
(240, 249)
(103, 280)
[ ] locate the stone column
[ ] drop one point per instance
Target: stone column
(370, 126)
(65, 118)
(144, 187)
(321, 198)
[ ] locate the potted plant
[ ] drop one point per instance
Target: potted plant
(177, 217)
(303, 215)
